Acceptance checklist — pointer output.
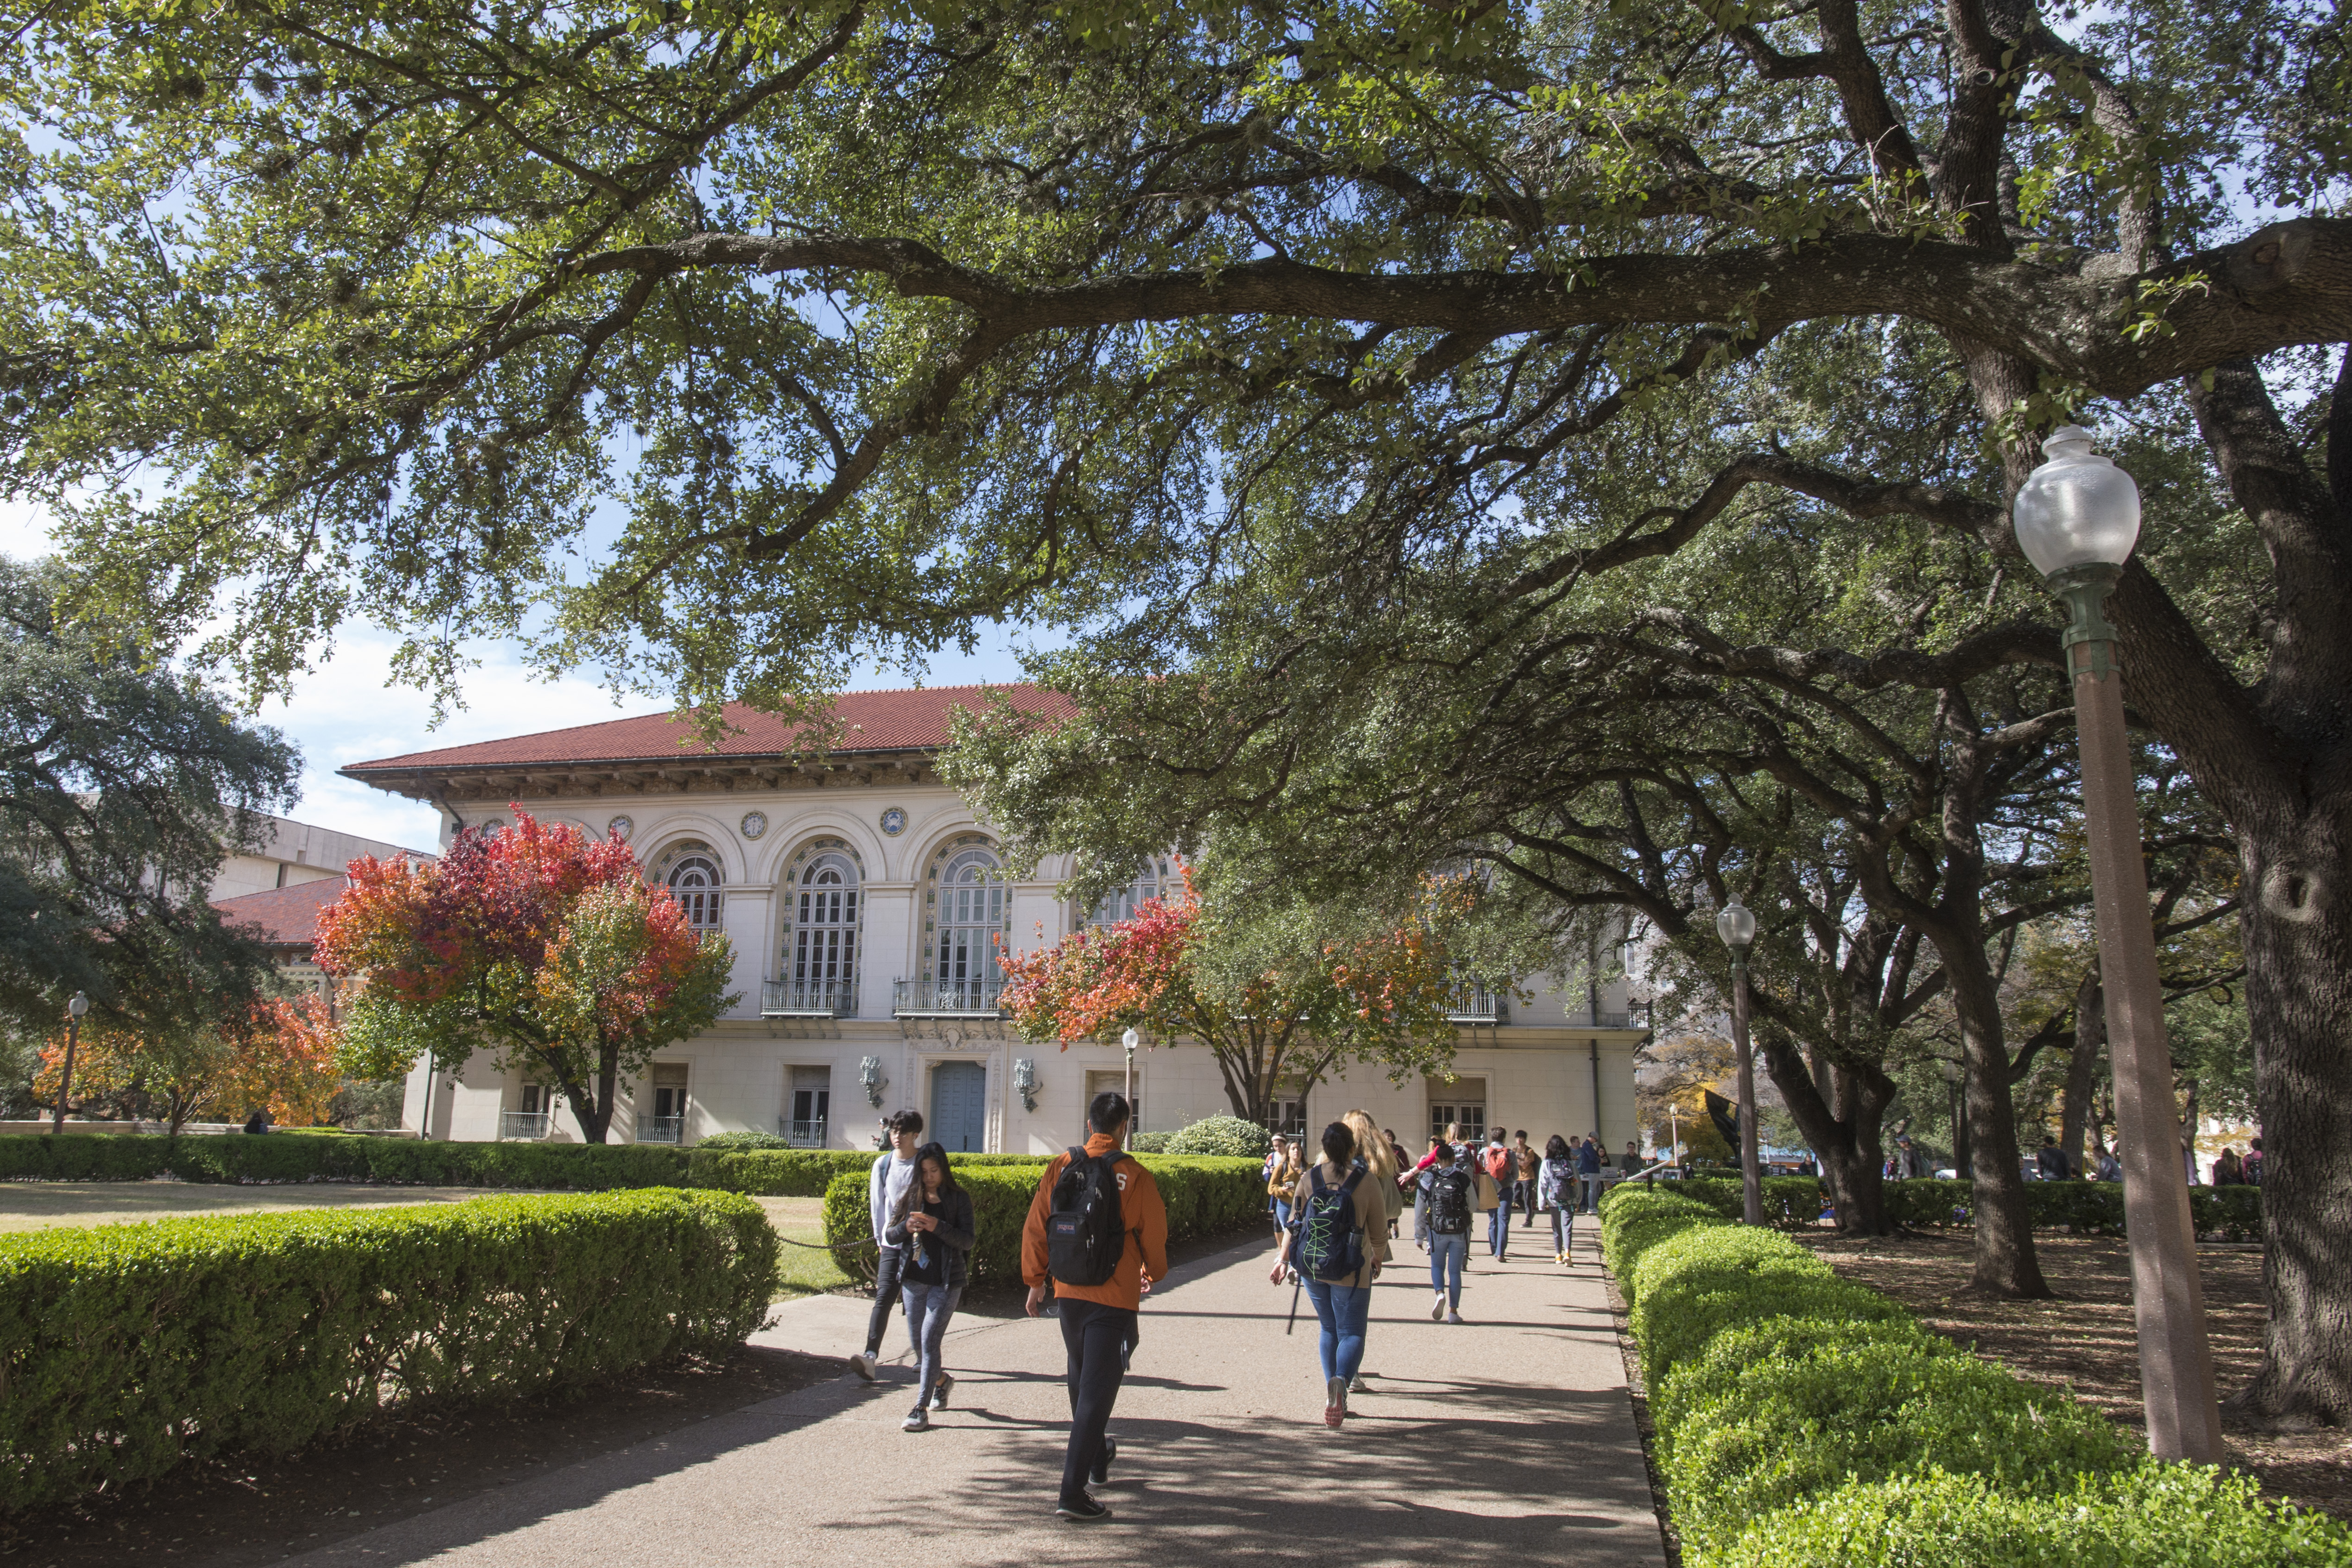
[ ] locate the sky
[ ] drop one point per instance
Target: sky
(346, 710)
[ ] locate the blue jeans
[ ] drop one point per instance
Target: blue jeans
(1446, 1254)
(928, 1308)
(1563, 1226)
(1499, 1226)
(1341, 1310)
(1282, 1214)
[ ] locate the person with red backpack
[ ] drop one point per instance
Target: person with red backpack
(1503, 1170)
(1338, 1239)
(1098, 1231)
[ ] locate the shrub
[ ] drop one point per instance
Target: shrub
(1790, 1202)
(131, 1348)
(804, 1172)
(1634, 1221)
(1151, 1143)
(278, 1157)
(1204, 1197)
(2154, 1516)
(718, 1140)
(1709, 1277)
(1229, 1136)
(1733, 1351)
(2084, 1208)
(1787, 1427)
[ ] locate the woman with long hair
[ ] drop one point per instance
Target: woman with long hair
(934, 1224)
(1334, 1199)
(1281, 1179)
(1555, 1190)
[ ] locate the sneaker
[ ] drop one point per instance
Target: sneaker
(939, 1391)
(1437, 1307)
(917, 1420)
(1453, 1317)
(1334, 1401)
(861, 1363)
(1080, 1510)
(1358, 1387)
(1100, 1474)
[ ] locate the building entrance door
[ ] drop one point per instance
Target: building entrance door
(959, 1107)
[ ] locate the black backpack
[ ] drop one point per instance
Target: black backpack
(1449, 1200)
(1086, 1234)
(1328, 1246)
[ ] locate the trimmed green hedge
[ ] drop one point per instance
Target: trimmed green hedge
(805, 1173)
(128, 1349)
(2084, 1208)
(1205, 1196)
(235, 1157)
(1804, 1419)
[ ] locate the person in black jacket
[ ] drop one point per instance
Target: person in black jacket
(933, 1224)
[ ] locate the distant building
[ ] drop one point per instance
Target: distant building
(864, 902)
(287, 921)
(294, 853)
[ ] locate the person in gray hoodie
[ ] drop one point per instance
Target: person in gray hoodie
(886, 1190)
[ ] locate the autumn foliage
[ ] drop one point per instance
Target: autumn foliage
(279, 1055)
(534, 942)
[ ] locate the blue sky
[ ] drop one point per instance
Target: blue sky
(346, 710)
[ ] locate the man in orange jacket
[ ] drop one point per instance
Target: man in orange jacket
(1098, 1322)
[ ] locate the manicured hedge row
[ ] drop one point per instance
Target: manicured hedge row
(804, 1172)
(2085, 1208)
(234, 1157)
(126, 1348)
(1205, 1195)
(1804, 1419)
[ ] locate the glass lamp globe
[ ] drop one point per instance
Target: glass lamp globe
(1735, 925)
(2077, 509)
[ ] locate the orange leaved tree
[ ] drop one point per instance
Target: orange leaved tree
(278, 1054)
(535, 943)
(1278, 1002)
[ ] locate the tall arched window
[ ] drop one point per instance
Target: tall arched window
(971, 923)
(691, 874)
(825, 930)
(1158, 880)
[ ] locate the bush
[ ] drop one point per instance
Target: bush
(1151, 1143)
(284, 1157)
(1635, 1220)
(804, 1172)
(721, 1140)
(1732, 1351)
(2154, 1516)
(1204, 1197)
(2084, 1208)
(1228, 1136)
(131, 1348)
(1790, 1202)
(1709, 1277)
(1787, 1427)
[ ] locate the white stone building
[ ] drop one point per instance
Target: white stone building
(863, 899)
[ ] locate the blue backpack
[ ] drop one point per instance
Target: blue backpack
(1326, 1243)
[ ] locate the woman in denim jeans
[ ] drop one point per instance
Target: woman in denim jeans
(1555, 1190)
(935, 1227)
(1342, 1305)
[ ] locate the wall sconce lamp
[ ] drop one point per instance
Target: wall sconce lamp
(1025, 1081)
(870, 1073)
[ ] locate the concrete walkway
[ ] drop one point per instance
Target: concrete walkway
(1512, 1433)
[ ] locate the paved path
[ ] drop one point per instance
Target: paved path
(1511, 1433)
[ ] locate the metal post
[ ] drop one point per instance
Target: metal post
(2175, 1360)
(65, 1078)
(1751, 1179)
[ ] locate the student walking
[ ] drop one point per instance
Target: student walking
(1557, 1178)
(1382, 1170)
(1336, 1244)
(1495, 1195)
(1098, 1230)
(933, 1228)
(1588, 1170)
(886, 1186)
(1523, 1188)
(1281, 1180)
(1447, 1185)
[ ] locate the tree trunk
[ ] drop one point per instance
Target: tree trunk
(2082, 1071)
(1843, 1134)
(2006, 1263)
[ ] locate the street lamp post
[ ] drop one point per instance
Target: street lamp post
(74, 1011)
(1737, 926)
(1130, 1040)
(1955, 1077)
(2077, 517)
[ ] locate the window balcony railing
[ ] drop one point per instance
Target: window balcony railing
(527, 1125)
(1475, 1004)
(661, 1129)
(1589, 1019)
(808, 999)
(801, 1134)
(945, 998)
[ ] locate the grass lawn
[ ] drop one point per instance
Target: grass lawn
(802, 1271)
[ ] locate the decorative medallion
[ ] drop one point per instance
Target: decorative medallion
(894, 822)
(620, 828)
(755, 823)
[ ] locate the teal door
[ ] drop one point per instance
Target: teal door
(959, 1107)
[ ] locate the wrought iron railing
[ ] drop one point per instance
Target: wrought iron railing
(1474, 1004)
(944, 998)
(801, 1134)
(1589, 1019)
(808, 999)
(522, 1124)
(660, 1128)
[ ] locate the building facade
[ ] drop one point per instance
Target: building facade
(865, 904)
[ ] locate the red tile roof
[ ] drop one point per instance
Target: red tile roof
(285, 917)
(867, 721)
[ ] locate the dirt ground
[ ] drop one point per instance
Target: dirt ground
(2086, 1337)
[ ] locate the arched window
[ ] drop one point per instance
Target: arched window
(691, 872)
(971, 923)
(824, 927)
(1158, 880)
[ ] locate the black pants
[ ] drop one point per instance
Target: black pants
(885, 1295)
(1098, 1340)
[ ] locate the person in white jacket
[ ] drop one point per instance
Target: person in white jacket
(885, 1184)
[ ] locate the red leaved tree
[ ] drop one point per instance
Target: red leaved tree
(535, 943)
